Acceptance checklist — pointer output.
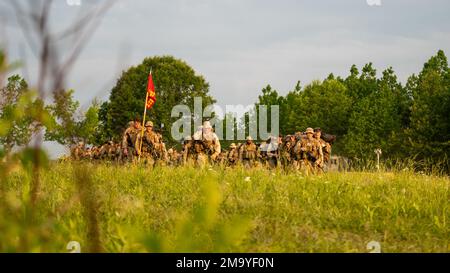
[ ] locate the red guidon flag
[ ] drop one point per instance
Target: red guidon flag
(151, 95)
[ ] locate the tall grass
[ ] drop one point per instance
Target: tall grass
(138, 209)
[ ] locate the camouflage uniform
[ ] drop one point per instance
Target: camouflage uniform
(262, 152)
(272, 152)
(326, 147)
(200, 153)
(129, 142)
(232, 157)
(310, 151)
(211, 145)
(153, 149)
(107, 151)
(173, 157)
(286, 151)
(77, 151)
(95, 153)
(194, 152)
(248, 153)
(188, 151)
(116, 152)
(87, 154)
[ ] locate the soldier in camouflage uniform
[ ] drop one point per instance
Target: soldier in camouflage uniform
(221, 159)
(262, 152)
(310, 152)
(273, 145)
(116, 152)
(153, 149)
(232, 157)
(198, 152)
(211, 145)
(87, 154)
(106, 151)
(326, 147)
(95, 153)
(248, 153)
(189, 152)
(130, 145)
(287, 152)
(174, 158)
(268, 152)
(77, 151)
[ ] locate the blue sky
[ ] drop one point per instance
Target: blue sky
(240, 46)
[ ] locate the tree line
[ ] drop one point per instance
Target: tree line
(365, 111)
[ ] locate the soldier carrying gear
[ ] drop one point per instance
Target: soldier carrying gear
(232, 156)
(117, 151)
(326, 147)
(248, 152)
(199, 152)
(286, 151)
(153, 149)
(194, 151)
(87, 154)
(210, 142)
(95, 153)
(262, 152)
(129, 140)
(310, 151)
(188, 150)
(221, 158)
(173, 157)
(76, 152)
(272, 152)
(106, 151)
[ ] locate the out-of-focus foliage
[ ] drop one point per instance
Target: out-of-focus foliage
(22, 114)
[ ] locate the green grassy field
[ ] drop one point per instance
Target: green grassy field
(134, 209)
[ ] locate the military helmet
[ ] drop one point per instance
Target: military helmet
(309, 130)
(149, 124)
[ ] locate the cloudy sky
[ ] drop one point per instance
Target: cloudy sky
(240, 46)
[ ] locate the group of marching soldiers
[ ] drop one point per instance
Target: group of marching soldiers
(137, 144)
(309, 151)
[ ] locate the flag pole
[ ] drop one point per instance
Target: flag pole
(143, 123)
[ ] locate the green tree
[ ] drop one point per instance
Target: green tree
(68, 127)
(320, 104)
(378, 117)
(268, 98)
(175, 83)
(429, 131)
(64, 129)
(18, 107)
(289, 106)
(88, 127)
